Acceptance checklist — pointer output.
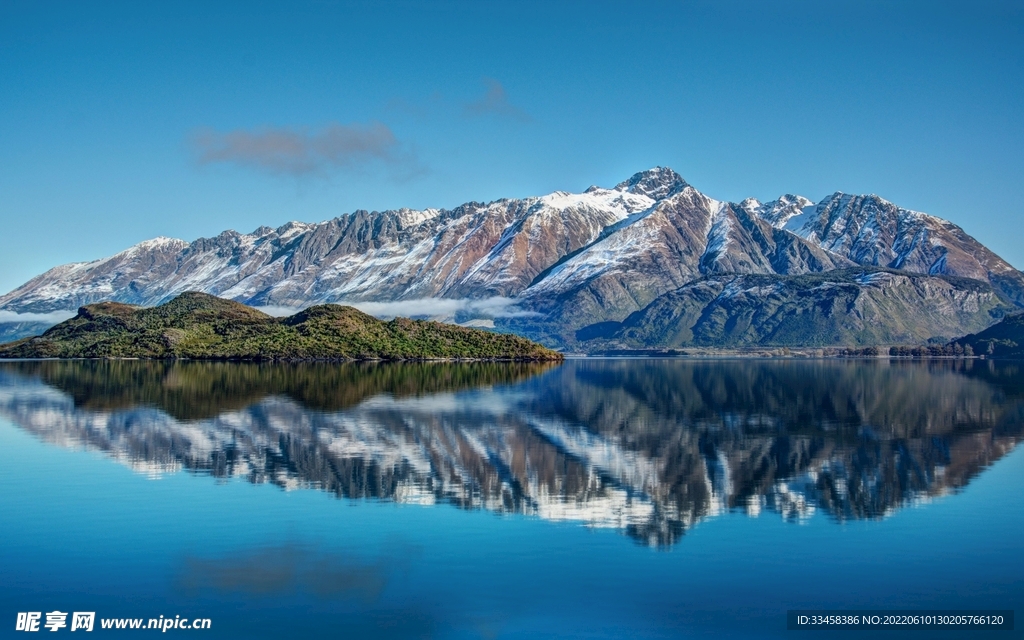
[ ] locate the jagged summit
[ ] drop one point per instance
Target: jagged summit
(656, 183)
(160, 242)
(778, 213)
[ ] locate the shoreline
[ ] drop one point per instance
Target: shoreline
(715, 355)
(338, 360)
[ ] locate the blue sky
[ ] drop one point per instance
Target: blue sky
(121, 122)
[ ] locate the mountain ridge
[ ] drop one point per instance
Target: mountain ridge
(569, 259)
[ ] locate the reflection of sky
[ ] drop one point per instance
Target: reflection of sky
(81, 533)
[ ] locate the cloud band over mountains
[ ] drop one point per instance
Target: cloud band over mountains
(493, 307)
(52, 317)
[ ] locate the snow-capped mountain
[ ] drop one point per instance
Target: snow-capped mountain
(562, 259)
(474, 250)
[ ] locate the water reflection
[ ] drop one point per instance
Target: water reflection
(650, 447)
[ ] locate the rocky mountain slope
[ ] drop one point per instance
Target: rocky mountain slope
(871, 231)
(542, 266)
(845, 306)
(11, 331)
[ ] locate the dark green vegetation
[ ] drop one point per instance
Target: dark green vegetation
(846, 307)
(1002, 340)
(201, 326)
(199, 390)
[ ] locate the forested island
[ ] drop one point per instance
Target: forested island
(204, 327)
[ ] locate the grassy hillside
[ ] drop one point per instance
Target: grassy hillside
(201, 326)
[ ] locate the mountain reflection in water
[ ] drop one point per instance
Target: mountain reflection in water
(646, 446)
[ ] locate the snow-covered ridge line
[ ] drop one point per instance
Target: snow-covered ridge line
(616, 247)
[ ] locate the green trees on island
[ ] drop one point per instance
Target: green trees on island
(201, 326)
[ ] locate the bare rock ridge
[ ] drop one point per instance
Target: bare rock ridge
(556, 264)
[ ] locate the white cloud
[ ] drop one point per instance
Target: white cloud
(495, 307)
(279, 311)
(52, 317)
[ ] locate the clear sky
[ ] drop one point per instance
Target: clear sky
(121, 122)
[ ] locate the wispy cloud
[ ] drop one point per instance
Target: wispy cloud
(51, 318)
(294, 567)
(300, 153)
(495, 102)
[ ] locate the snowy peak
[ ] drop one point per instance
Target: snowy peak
(778, 213)
(657, 183)
(160, 243)
(623, 203)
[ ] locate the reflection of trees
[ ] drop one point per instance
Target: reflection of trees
(646, 446)
(195, 390)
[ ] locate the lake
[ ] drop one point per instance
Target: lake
(598, 498)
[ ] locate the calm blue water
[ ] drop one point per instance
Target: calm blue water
(599, 498)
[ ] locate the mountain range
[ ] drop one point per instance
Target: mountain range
(583, 271)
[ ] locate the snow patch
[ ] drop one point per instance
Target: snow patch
(718, 234)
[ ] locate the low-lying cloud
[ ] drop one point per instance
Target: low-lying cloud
(299, 153)
(52, 317)
(494, 307)
(279, 311)
(495, 101)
